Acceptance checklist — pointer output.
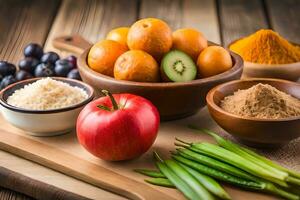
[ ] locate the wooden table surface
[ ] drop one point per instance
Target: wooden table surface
(221, 21)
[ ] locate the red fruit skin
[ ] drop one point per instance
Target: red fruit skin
(118, 135)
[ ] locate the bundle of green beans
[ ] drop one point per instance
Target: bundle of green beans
(195, 167)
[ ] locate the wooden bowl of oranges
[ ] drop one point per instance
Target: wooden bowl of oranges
(174, 70)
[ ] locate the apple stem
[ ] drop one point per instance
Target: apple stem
(113, 101)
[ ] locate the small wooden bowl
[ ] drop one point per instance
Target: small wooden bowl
(282, 71)
(253, 131)
(173, 100)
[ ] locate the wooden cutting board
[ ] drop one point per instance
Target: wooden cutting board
(64, 154)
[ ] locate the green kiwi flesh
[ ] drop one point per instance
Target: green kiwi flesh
(177, 66)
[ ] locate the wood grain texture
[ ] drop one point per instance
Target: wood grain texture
(198, 14)
(285, 18)
(77, 167)
(239, 18)
(22, 22)
(6, 194)
(164, 143)
(202, 15)
(167, 10)
(54, 178)
(91, 19)
(33, 188)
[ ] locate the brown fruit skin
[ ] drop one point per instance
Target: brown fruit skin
(136, 65)
(213, 60)
(103, 55)
(151, 35)
(190, 41)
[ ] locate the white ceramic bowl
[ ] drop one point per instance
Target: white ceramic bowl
(43, 122)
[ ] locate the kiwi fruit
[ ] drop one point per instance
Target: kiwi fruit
(177, 66)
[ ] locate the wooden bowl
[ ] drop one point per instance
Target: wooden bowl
(253, 131)
(282, 71)
(173, 100)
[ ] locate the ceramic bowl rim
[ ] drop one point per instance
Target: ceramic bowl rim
(59, 110)
(210, 100)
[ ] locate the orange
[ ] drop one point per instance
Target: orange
(151, 35)
(213, 60)
(103, 55)
(190, 41)
(136, 65)
(118, 35)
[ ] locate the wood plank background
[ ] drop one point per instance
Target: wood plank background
(221, 21)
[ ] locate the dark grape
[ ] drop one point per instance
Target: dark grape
(28, 64)
(7, 80)
(63, 67)
(44, 70)
(33, 50)
(23, 75)
(73, 60)
(7, 68)
(74, 74)
(50, 57)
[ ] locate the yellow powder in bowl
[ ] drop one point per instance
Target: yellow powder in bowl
(266, 47)
(47, 94)
(262, 101)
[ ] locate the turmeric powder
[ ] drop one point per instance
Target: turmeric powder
(266, 47)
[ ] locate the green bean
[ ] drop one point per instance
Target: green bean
(189, 179)
(240, 162)
(247, 153)
(151, 173)
(216, 164)
(182, 186)
(220, 175)
(259, 186)
(210, 184)
(164, 182)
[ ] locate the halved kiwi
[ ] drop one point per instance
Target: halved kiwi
(177, 66)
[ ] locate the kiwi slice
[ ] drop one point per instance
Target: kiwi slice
(177, 66)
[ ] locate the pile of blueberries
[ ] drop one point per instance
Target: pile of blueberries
(36, 63)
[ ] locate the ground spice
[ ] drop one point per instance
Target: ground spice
(266, 47)
(262, 101)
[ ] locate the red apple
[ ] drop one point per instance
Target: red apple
(118, 127)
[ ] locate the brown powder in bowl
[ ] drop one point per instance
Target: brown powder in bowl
(262, 101)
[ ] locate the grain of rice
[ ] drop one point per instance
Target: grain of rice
(47, 94)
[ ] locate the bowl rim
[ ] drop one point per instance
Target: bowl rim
(265, 64)
(210, 101)
(50, 111)
(238, 65)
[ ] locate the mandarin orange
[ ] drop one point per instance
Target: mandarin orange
(151, 35)
(118, 35)
(103, 55)
(213, 60)
(190, 41)
(136, 65)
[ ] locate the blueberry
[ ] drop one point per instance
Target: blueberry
(7, 80)
(50, 57)
(44, 70)
(23, 75)
(7, 68)
(63, 67)
(73, 60)
(74, 74)
(28, 64)
(33, 50)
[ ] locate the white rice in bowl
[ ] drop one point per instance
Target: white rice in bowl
(47, 94)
